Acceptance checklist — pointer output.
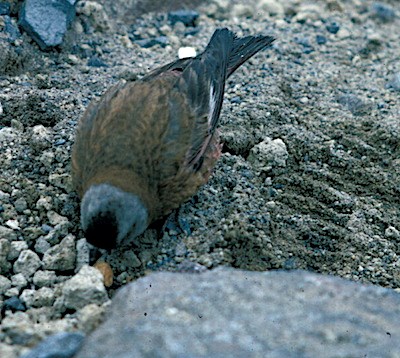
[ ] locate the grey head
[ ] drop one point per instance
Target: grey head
(110, 216)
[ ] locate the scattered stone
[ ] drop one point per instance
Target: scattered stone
(4, 251)
(61, 257)
(15, 249)
(107, 272)
(47, 21)
(60, 345)
(62, 181)
(242, 10)
(40, 138)
(13, 304)
(7, 134)
(95, 13)
(27, 263)
(13, 224)
(383, 12)
(42, 297)
(84, 288)
(187, 17)
(321, 40)
(269, 154)
(95, 61)
(333, 27)
(246, 305)
(44, 278)
(272, 7)
(186, 52)
(56, 219)
(42, 245)
(5, 284)
(82, 254)
(20, 205)
(19, 281)
(147, 43)
(392, 233)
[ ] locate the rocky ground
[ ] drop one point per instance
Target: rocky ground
(309, 177)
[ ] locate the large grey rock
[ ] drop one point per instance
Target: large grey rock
(232, 313)
(47, 21)
(61, 257)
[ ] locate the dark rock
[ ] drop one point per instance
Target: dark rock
(147, 43)
(13, 304)
(5, 8)
(233, 313)
(187, 17)
(321, 40)
(383, 12)
(95, 61)
(333, 27)
(47, 21)
(59, 345)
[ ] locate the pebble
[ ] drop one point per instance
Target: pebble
(27, 263)
(20, 205)
(44, 278)
(61, 257)
(82, 254)
(15, 249)
(269, 154)
(5, 284)
(90, 317)
(13, 224)
(42, 297)
(321, 40)
(19, 281)
(147, 43)
(84, 288)
(392, 233)
(95, 61)
(42, 245)
(185, 52)
(13, 304)
(333, 27)
(394, 83)
(272, 7)
(187, 17)
(40, 138)
(60, 345)
(7, 134)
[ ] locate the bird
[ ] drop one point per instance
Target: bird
(148, 145)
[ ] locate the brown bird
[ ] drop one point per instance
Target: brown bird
(147, 146)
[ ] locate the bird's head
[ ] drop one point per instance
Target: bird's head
(110, 216)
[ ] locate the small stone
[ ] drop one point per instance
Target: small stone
(13, 304)
(44, 278)
(13, 224)
(72, 59)
(42, 245)
(272, 7)
(40, 137)
(147, 43)
(60, 345)
(13, 291)
(392, 233)
(333, 27)
(82, 254)
(7, 134)
(19, 281)
(95, 13)
(42, 297)
(62, 181)
(343, 33)
(15, 249)
(61, 257)
(20, 205)
(186, 52)
(84, 288)
(242, 10)
(354, 104)
(95, 61)
(44, 203)
(383, 12)
(269, 154)
(55, 218)
(187, 17)
(4, 251)
(27, 263)
(107, 272)
(5, 284)
(321, 40)
(90, 317)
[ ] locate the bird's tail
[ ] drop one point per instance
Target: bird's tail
(245, 47)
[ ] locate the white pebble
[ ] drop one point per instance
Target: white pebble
(185, 52)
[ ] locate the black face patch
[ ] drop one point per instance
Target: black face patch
(102, 231)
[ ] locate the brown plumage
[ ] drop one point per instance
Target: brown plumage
(147, 146)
